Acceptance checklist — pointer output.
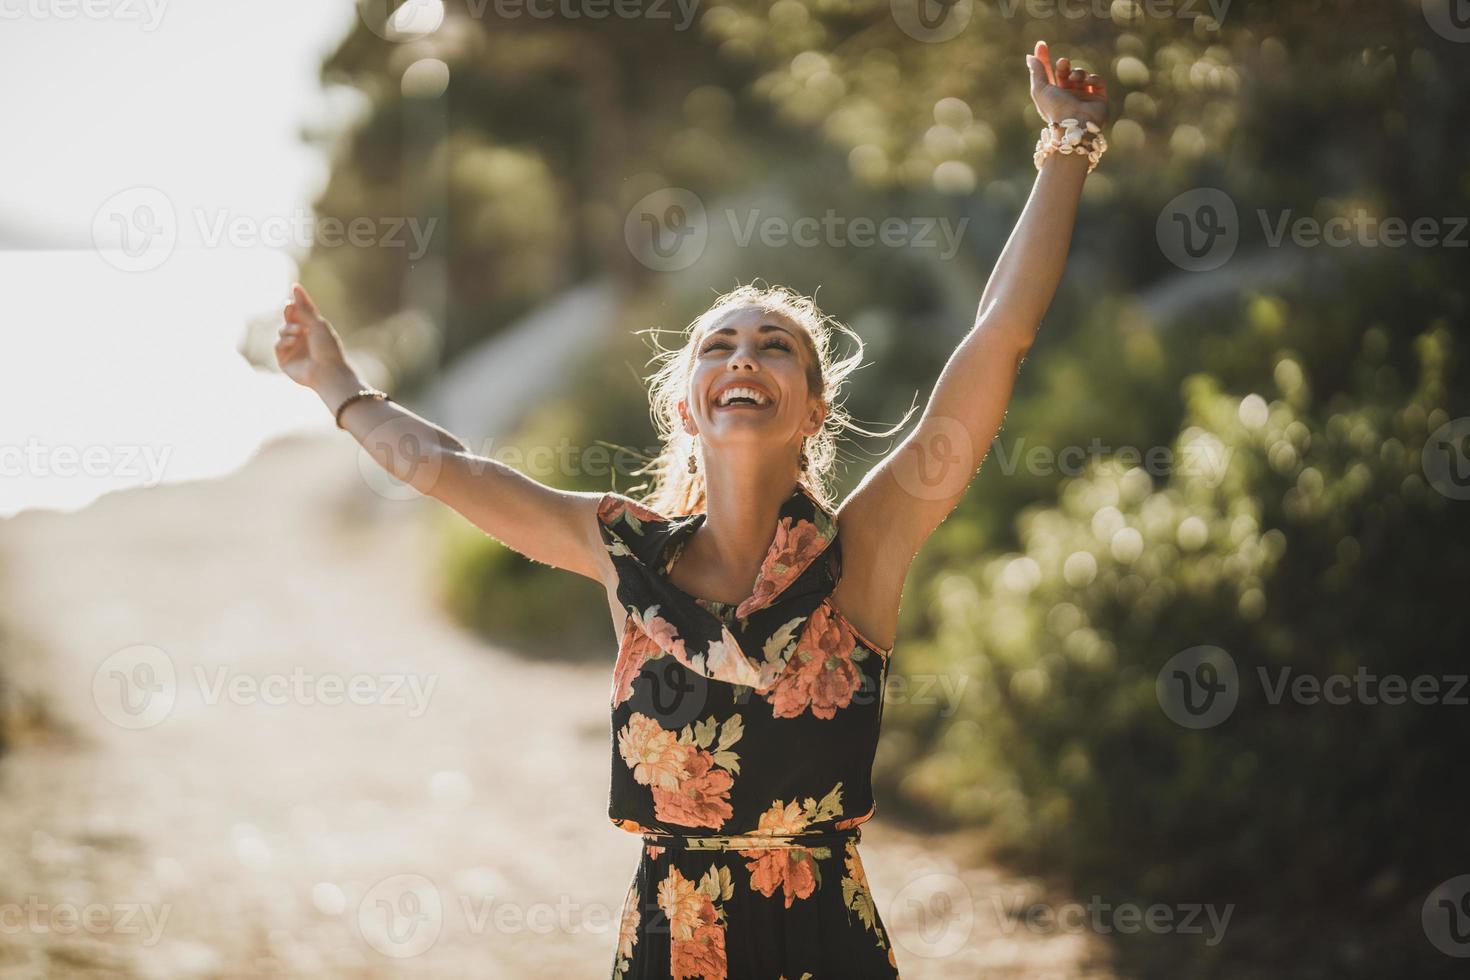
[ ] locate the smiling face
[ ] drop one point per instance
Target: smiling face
(750, 382)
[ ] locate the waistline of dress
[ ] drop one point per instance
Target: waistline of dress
(754, 842)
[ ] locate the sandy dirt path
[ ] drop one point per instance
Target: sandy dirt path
(456, 828)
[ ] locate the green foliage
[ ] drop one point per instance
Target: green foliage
(520, 604)
(1298, 532)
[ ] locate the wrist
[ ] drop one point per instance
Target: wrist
(1071, 137)
(337, 385)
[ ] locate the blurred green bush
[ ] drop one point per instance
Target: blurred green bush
(1296, 530)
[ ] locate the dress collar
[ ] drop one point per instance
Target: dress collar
(804, 529)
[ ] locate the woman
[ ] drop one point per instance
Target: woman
(745, 717)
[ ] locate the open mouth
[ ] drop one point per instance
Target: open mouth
(742, 396)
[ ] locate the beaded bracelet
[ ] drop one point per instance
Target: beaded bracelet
(1071, 136)
(359, 394)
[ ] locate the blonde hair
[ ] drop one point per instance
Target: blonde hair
(676, 492)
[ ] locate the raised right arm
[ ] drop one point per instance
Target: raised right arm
(556, 527)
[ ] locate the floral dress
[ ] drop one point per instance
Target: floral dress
(742, 751)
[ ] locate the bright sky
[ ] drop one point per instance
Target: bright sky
(118, 368)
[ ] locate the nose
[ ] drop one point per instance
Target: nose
(741, 359)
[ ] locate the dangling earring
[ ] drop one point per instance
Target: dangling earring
(693, 462)
(802, 462)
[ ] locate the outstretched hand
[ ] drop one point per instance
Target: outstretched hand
(1066, 92)
(308, 348)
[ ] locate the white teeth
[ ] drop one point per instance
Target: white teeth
(750, 393)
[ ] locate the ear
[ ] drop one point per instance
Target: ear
(816, 418)
(689, 428)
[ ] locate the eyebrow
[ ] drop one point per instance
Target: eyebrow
(764, 328)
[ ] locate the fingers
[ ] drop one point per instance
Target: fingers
(1064, 74)
(1038, 73)
(298, 291)
(1043, 55)
(286, 347)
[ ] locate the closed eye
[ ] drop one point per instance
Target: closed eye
(773, 342)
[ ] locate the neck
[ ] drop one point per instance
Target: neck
(743, 498)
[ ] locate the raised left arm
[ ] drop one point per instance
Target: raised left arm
(913, 489)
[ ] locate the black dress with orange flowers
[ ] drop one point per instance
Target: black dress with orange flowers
(743, 741)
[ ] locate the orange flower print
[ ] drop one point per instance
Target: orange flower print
(854, 865)
(689, 774)
(627, 934)
(702, 799)
(796, 544)
(791, 869)
(782, 821)
(683, 904)
(696, 923)
(646, 637)
(653, 753)
(857, 896)
(820, 675)
(612, 508)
